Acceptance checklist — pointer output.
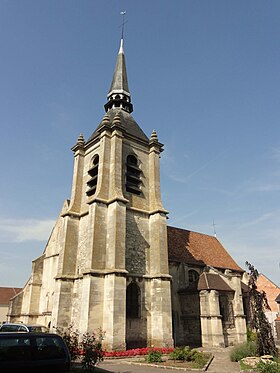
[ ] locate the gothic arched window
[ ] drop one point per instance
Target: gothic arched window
(133, 172)
(93, 173)
(193, 275)
(133, 295)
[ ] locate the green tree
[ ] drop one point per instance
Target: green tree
(257, 319)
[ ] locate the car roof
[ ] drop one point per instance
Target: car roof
(28, 335)
(21, 323)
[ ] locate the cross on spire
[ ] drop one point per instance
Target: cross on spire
(214, 228)
(123, 13)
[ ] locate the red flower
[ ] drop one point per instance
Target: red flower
(137, 351)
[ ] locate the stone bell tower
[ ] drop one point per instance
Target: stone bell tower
(113, 263)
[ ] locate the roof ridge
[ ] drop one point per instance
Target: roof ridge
(188, 230)
(207, 282)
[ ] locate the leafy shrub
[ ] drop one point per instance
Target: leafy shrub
(268, 367)
(154, 357)
(70, 337)
(91, 346)
(243, 350)
(181, 353)
(187, 354)
(200, 359)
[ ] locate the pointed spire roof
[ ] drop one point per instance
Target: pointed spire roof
(119, 95)
(118, 107)
(119, 82)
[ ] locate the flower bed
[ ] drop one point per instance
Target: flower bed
(137, 352)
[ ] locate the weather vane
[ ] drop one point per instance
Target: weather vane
(123, 13)
(214, 228)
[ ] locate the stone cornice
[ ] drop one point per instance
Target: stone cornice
(159, 211)
(108, 201)
(51, 256)
(66, 277)
(105, 272)
(156, 147)
(241, 315)
(159, 276)
(35, 284)
(148, 213)
(207, 316)
(94, 273)
(74, 214)
(71, 214)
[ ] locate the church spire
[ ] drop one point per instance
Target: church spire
(119, 95)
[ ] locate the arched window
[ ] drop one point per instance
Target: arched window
(226, 310)
(133, 172)
(133, 301)
(93, 173)
(193, 276)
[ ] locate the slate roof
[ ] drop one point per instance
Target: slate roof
(127, 121)
(7, 293)
(198, 249)
(120, 82)
(212, 281)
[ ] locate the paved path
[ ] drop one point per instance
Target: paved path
(220, 364)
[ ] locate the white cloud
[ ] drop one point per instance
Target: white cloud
(266, 188)
(25, 230)
(269, 216)
(176, 221)
(275, 154)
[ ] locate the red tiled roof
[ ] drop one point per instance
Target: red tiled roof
(7, 293)
(198, 249)
(271, 290)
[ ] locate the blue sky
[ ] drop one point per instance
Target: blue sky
(204, 74)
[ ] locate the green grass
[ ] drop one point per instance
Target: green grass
(243, 350)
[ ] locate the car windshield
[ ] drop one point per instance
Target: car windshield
(37, 329)
(13, 328)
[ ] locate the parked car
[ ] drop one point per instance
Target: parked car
(19, 327)
(33, 352)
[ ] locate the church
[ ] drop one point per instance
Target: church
(111, 261)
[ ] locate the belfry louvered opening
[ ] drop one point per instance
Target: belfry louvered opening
(133, 175)
(93, 173)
